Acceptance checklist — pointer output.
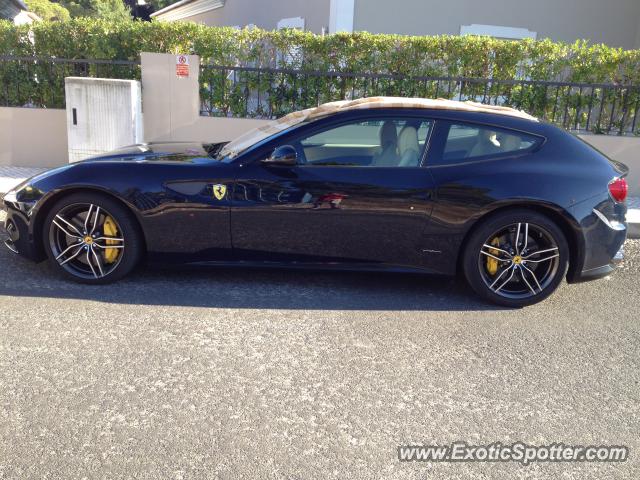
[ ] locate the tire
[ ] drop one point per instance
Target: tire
(516, 273)
(112, 252)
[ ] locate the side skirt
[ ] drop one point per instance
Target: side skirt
(351, 267)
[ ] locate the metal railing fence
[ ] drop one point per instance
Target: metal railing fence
(230, 91)
(39, 82)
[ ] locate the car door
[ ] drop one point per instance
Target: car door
(473, 165)
(358, 194)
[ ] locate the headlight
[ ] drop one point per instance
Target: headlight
(11, 196)
(23, 197)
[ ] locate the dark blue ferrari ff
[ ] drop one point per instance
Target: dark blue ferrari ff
(435, 186)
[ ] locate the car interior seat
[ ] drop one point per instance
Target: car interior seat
(509, 143)
(487, 144)
(408, 147)
(388, 146)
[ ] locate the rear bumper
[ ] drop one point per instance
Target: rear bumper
(594, 274)
(600, 272)
(604, 232)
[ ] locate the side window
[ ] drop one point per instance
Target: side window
(380, 142)
(473, 141)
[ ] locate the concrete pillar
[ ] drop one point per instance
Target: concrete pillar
(169, 103)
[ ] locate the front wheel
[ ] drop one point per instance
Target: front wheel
(91, 238)
(516, 258)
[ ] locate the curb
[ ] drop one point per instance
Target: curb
(633, 217)
(633, 223)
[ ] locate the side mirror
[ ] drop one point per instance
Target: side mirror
(284, 155)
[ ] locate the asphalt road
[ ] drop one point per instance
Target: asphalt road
(270, 374)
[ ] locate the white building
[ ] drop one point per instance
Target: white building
(17, 12)
(612, 22)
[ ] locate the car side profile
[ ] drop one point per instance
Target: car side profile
(384, 184)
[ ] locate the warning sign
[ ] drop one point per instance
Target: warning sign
(182, 66)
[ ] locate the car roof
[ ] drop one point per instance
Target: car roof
(252, 137)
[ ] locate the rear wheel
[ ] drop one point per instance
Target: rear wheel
(91, 238)
(516, 258)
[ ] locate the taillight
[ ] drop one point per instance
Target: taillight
(618, 189)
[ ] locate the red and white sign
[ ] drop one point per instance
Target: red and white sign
(182, 66)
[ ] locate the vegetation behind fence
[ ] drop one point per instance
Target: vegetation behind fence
(426, 56)
(39, 81)
(269, 73)
(270, 93)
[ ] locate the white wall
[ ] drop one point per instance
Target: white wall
(623, 149)
(613, 22)
(266, 15)
(171, 105)
(341, 14)
(33, 137)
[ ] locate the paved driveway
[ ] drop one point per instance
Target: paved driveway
(262, 374)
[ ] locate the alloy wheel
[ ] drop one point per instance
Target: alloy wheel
(519, 261)
(86, 240)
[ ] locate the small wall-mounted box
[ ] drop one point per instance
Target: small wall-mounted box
(102, 114)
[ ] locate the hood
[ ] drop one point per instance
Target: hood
(190, 152)
(167, 152)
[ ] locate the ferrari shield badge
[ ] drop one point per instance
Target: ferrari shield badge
(219, 191)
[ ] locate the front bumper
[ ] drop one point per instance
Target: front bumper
(11, 234)
(19, 237)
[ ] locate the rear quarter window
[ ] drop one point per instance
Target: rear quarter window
(467, 142)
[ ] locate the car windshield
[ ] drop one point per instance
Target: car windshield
(245, 141)
(213, 149)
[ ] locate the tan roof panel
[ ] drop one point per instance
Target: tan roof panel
(254, 136)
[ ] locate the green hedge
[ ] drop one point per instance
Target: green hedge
(439, 56)
(357, 52)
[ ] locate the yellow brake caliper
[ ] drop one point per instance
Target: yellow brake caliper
(110, 230)
(492, 263)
